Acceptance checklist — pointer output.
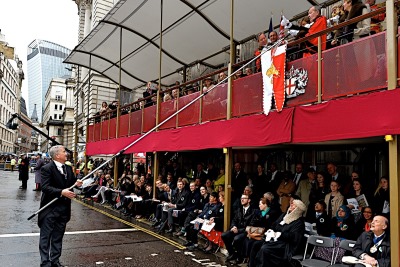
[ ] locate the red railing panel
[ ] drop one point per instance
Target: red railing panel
(190, 115)
(91, 129)
(124, 125)
(104, 129)
(113, 128)
(97, 132)
(247, 95)
(149, 118)
(136, 122)
(299, 68)
(167, 109)
(356, 67)
(214, 104)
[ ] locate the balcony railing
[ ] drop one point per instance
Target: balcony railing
(353, 68)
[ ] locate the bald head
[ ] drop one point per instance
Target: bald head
(379, 225)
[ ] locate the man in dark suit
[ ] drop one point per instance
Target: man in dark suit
(299, 174)
(239, 181)
(274, 178)
(233, 239)
(344, 182)
(56, 179)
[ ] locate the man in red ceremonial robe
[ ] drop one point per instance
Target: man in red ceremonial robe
(318, 23)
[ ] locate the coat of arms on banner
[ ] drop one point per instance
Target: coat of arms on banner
(296, 82)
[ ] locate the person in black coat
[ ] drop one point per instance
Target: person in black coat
(179, 201)
(23, 169)
(282, 242)
(264, 217)
(374, 247)
(56, 179)
(233, 239)
(209, 211)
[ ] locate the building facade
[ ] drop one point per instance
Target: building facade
(45, 62)
(24, 131)
(11, 76)
(92, 88)
(55, 101)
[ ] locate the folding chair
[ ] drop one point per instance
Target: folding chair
(347, 245)
(317, 241)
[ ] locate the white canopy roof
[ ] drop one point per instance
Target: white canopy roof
(193, 30)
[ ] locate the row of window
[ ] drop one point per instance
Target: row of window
(10, 78)
(5, 115)
(7, 98)
(58, 107)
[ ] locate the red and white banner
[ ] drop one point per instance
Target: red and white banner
(273, 73)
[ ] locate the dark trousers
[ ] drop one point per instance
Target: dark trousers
(24, 183)
(52, 231)
(191, 234)
(233, 242)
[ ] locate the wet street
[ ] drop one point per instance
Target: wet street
(95, 236)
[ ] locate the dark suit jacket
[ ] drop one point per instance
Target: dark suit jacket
(53, 182)
(240, 221)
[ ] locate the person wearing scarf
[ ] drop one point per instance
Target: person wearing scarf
(287, 232)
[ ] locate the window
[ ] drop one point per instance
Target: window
(55, 116)
(58, 98)
(59, 131)
(61, 107)
(55, 106)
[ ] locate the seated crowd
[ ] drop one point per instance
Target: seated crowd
(271, 210)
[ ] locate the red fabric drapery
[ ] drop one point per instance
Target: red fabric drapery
(363, 116)
(375, 114)
(250, 131)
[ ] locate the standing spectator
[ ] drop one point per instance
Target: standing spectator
(260, 181)
(222, 76)
(248, 71)
(374, 247)
(274, 178)
(13, 162)
(104, 108)
(342, 180)
(239, 180)
(220, 179)
(262, 42)
(305, 186)
(381, 197)
(208, 84)
(353, 8)
(334, 199)
(285, 191)
(377, 20)
(299, 175)
(23, 169)
(38, 167)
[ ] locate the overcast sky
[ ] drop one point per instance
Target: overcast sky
(22, 21)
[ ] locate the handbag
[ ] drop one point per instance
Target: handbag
(255, 232)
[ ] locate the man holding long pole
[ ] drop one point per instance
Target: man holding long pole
(57, 179)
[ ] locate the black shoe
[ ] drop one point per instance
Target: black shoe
(231, 257)
(188, 244)
(57, 265)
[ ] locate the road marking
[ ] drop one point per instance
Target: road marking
(149, 232)
(73, 233)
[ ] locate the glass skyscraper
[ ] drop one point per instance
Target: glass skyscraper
(45, 62)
